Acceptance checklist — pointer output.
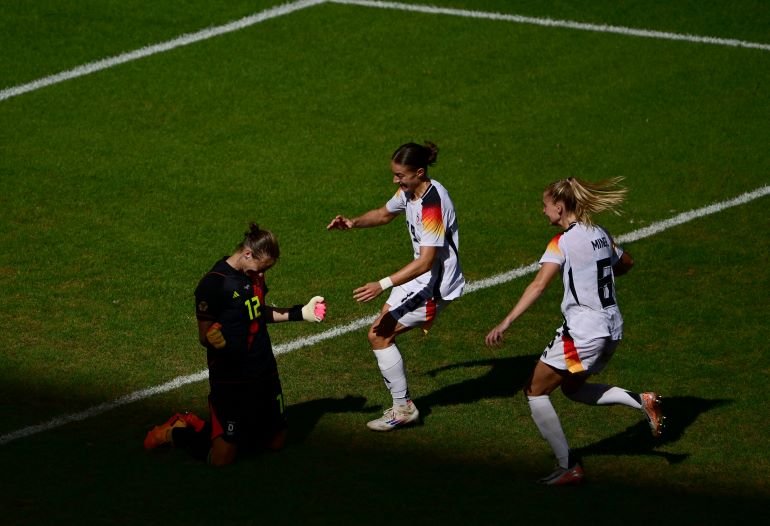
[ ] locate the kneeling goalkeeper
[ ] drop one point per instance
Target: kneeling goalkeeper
(246, 403)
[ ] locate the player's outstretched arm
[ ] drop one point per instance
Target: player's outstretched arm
(530, 295)
(377, 217)
(313, 311)
(410, 271)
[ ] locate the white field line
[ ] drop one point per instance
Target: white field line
(285, 9)
(636, 235)
(184, 40)
(498, 279)
(548, 22)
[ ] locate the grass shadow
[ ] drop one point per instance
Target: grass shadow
(304, 416)
(504, 379)
(680, 412)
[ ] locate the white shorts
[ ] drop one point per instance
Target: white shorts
(590, 356)
(411, 309)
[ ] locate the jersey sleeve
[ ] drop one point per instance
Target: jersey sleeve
(208, 297)
(397, 203)
(433, 220)
(553, 252)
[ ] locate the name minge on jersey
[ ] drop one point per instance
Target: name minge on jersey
(600, 243)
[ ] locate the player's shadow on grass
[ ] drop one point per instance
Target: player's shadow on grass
(303, 417)
(680, 413)
(504, 379)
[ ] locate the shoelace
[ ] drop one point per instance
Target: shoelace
(392, 414)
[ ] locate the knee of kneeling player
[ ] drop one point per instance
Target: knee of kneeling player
(221, 453)
(277, 442)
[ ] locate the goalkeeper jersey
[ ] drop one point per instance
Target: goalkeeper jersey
(235, 300)
(586, 255)
(431, 221)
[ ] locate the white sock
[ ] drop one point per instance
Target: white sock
(547, 421)
(392, 368)
(600, 394)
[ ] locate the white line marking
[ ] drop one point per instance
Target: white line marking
(285, 9)
(548, 22)
(184, 40)
(684, 217)
(498, 279)
(636, 235)
(103, 408)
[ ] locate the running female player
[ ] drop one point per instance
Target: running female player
(423, 287)
(588, 260)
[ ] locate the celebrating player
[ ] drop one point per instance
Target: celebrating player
(423, 287)
(588, 260)
(246, 400)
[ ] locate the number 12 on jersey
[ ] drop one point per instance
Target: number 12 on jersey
(252, 306)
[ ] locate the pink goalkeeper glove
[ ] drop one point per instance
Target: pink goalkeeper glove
(315, 310)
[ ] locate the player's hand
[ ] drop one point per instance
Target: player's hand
(215, 337)
(368, 292)
(495, 336)
(340, 223)
(315, 310)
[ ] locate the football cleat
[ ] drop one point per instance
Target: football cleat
(653, 412)
(161, 435)
(396, 416)
(194, 421)
(564, 476)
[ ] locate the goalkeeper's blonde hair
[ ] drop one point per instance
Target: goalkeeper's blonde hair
(585, 199)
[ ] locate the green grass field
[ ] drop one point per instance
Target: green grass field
(120, 188)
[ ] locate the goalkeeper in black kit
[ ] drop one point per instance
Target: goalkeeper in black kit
(246, 406)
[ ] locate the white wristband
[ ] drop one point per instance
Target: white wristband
(386, 283)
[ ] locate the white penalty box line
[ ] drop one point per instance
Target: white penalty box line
(549, 22)
(144, 52)
(360, 323)
(288, 8)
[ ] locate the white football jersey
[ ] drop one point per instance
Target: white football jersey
(586, 255)
(431, 221)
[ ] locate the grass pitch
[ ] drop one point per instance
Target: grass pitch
(122, 187)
